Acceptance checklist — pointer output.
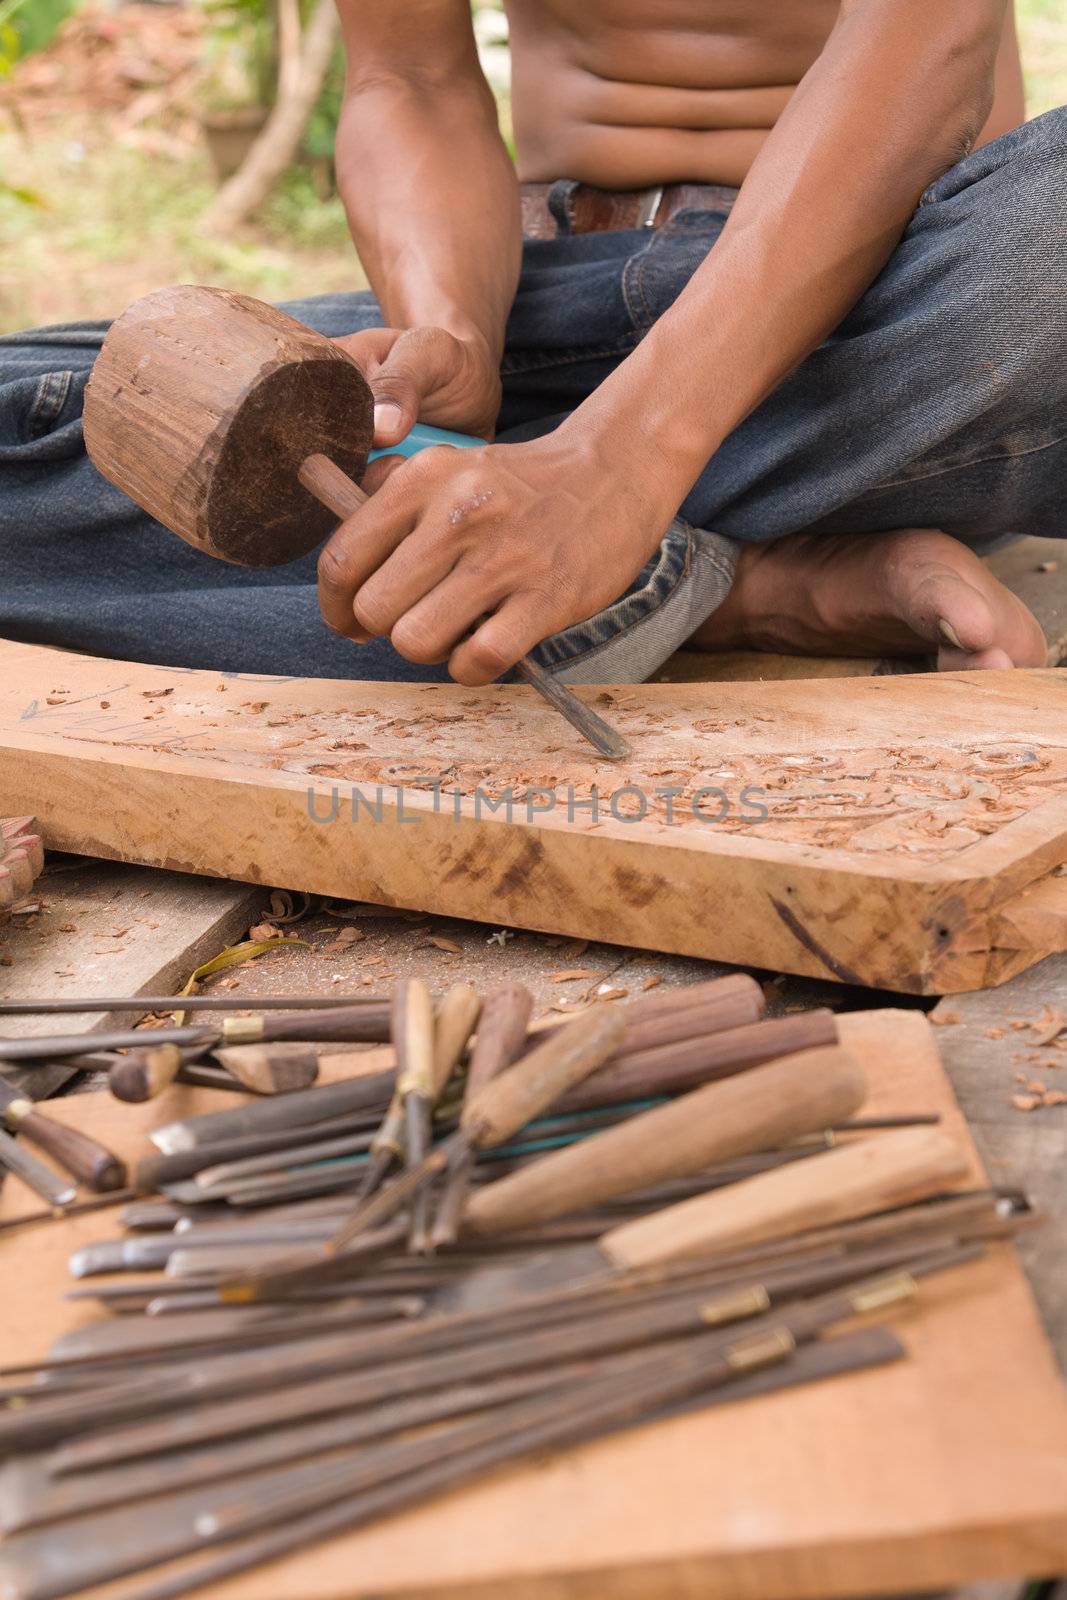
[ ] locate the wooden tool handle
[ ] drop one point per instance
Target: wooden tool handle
(55, 1191)
(759, 1110)
(331, 487)
(873, 1174)
(501, 1031)
(364, 1024)
(271, 1068)
(454, 1023)
(693, 1010)
(412, 1031)
(92, 1164)
(686, 1063)
(143, 1074)
(524, 1091)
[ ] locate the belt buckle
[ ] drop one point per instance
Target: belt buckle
(647, 207)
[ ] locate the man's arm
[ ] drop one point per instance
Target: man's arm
(899, 94)
(546, 533)
(433, 206)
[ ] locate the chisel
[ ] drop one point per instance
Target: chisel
(512, 1099)
(304, 1108)
(89, 1162)
(41, 1179)
(499, 1040)
(367, 1024)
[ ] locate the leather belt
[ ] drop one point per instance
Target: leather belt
(549, 209)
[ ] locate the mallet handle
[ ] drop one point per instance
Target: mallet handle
(344, 498)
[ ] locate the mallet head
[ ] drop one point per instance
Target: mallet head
(201, 407)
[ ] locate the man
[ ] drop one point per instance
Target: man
(787, 349)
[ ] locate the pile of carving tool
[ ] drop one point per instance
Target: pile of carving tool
(372, 1291)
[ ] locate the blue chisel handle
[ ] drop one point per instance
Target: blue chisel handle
(422, 437)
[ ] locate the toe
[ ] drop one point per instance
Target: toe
(951, 660)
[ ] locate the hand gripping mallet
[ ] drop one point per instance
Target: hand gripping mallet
(241, 430)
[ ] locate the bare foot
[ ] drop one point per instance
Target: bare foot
(906, 593)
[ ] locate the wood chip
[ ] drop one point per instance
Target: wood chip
(573, 975)
(346, 937)
(1024, 1102)
(262, 930)
(611, 994)
(440, 943)
(994, 1033)
(1049, 1025)
(1054, 1097)
(156, 694)
(652, 981)
(945, 1019)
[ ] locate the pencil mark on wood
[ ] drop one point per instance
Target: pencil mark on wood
(811, 944)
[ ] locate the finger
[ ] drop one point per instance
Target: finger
(503, 639)
(369, 347)
(439, 622)
(408, 577)
(379, 472)
(354, 551)
(421, 360)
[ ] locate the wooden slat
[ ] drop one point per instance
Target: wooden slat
(901, 813)
(106, 929)
(946, 1467)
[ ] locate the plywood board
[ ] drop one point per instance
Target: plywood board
(985, 1048)
(948, 1466)
(870, 830)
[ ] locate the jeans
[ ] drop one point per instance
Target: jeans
(939, 401)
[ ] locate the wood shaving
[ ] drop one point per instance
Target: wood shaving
(1049, 1025)
(440, 943)
(573, 975)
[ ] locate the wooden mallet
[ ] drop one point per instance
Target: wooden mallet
(241, 430)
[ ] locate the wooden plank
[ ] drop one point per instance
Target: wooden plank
(853, 845)
(982, 1053)
(947, 1467)
(107, 929)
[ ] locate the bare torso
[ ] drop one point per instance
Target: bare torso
(625, 93)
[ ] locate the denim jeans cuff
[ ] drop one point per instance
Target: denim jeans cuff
(689, 578)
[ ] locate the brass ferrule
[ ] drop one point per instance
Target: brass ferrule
(732, 1307)
(763, 1350)
(242, 1030)
(883, 1292)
